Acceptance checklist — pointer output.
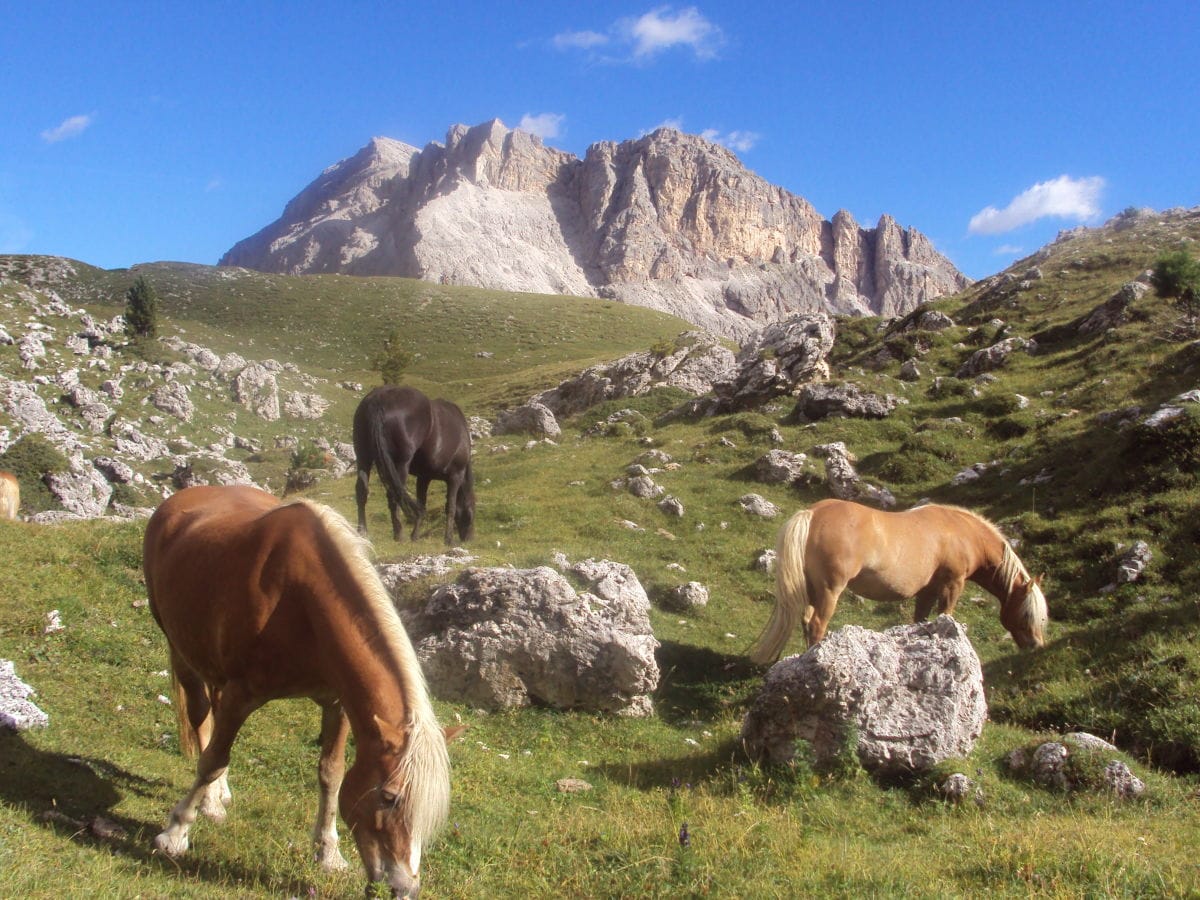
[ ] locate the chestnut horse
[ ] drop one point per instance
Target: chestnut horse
(10, 495)
(928, 553)
(261, 600)
(399, 430)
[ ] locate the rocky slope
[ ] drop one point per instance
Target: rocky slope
(669, 221)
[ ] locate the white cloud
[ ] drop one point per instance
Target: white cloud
(734, 140)
(214, 184)
(579, 40)
(1064, 198)
(69, 128)
(1007, 250)
(641, 38)
(661, 29)
(544, 125)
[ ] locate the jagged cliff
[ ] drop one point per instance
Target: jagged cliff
(669, 221)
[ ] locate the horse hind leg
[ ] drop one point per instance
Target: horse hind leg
(361, 492)
(422, 504)
(228, 716)
(335, 728)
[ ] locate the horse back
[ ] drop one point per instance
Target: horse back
(221, 564)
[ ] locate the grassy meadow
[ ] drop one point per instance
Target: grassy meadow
(81, 800)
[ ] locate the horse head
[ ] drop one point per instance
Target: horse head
(373, 805)
(1023, 613)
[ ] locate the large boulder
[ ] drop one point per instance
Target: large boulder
(532, 418)
(994, 357)
(505, 637)
(844, 481)
(913, 695)
(256, 389)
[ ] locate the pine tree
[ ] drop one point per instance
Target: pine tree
(141, 310)
(393, 360)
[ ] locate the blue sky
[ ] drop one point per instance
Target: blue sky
(136, 132)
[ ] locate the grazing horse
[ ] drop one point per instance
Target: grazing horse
(10, 495)
(927, 553)
(261, 600)
(399, 430)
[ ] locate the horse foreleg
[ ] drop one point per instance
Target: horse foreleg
(453, 486)
(334, 729)
(228, 716)
(943, 592)
(361, 490)
(422, 498)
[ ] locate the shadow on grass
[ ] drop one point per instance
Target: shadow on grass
(74, 796)
(701, 684)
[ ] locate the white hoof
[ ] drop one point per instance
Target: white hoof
(331, 859)
(170, 844)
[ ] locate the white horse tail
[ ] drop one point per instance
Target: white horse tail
(791, 590)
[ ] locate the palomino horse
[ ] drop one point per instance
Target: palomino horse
(10, 495)
(927, 553)
(399, 430)
(259, 601)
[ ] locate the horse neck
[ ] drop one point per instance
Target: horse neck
(1000, 571)
(363, 669)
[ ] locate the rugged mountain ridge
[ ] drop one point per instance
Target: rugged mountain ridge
(670, 221)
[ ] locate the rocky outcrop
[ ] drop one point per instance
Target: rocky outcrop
(670, 221)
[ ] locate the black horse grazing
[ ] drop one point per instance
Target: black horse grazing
(399, 430)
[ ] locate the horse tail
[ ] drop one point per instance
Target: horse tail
(189, 743)
(388, 474)
(791, 589)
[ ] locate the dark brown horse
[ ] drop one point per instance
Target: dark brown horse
(260, 601)
(400, 431)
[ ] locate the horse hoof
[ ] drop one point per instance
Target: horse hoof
(171, 845)
(331, 860)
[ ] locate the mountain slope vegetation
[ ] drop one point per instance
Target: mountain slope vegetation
(1063, 461)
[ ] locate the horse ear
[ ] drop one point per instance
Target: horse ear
(1038, 581)
(390, 733)
(453, 732)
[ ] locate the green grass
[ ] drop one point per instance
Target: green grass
(1122, 664)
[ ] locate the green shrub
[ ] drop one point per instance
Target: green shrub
(1173, 446)
(913, 467)
(31, 459)
(945, 388)
(1010, 427)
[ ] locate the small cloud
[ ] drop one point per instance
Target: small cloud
(734, 140)
(544, 125)
(1064, 198)
(214, 184)
(675, 122)
(661, 29)
(1007, 250)
(69, 128)
(579, 40)
(638, 39)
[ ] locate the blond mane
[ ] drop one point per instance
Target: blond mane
(1012, 572)
(425, 766)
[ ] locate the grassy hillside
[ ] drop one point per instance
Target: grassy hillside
(1069, 482)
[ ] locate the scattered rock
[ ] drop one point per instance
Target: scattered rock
(847, 400)
(532, 418)
(17, 711)
(844, 481)
(757, 505)
(686, 597)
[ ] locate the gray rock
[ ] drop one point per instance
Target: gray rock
(993, 357)
(173, 398)
(504, 637)
(757, 505)
(1133, 563)
(1114, 311)
(781, 467)
(844, 481)
(299, 405)
(17, 711)
(672, 506)
(532, 418)
(644, 488)
(820, 401)
(256, 389)
(82, 489)
(913, 695)
(777, 360)
(910, 371)
(686, 597)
